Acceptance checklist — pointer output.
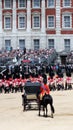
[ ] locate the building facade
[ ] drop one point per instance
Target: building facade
(36, 24)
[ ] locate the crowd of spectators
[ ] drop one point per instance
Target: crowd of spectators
(39, 68)
(33, 55)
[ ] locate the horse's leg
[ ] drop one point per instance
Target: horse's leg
(46, 110)
(24, 102)
(43, 111)
(52, 107)
(39, 108)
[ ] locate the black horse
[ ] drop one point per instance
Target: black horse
(47, 99)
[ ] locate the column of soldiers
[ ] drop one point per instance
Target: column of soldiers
(57, 81)
(14, 79)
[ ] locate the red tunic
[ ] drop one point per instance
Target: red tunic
(44, 89)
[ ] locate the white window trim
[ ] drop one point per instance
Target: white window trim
(33, 43)
(7, 7)
(47, 22)
(21, 7)
(66, 6)
(19, 41)
(33, 4)
(50, 6)
(63, 21)
(10, 42)
(67, 45)
(33, 22)
(48, 42)
(18, 21)
(4, 23)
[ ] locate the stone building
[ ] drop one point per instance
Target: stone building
(36, 24)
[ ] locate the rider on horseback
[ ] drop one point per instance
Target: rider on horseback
(44, 89)
(45, 98)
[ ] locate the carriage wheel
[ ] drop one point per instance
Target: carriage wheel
(29, 106)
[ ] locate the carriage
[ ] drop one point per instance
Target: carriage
(29, 98)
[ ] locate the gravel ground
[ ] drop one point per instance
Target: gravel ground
(12, 116)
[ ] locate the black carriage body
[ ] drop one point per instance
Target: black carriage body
(32, 89)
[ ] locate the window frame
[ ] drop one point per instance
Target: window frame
(19, 4)
(48, 6)
(10, 4)
(7, 45)
(36, 47)
(68, 46)
(21, 45)
(53, 46)
(33, 6)
(63, 22)
(23, 16)
(64, 5)
(35, 15)
(7, 16)
(48, 22)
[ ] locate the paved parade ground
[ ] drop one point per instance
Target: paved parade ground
(12, 116)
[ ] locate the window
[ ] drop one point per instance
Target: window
(36, 3)
(7, 22)
(51, 21)
(21, 44)
(50, 43)
(7, 3)
(67, 21)
(8, 45)
(22, 3)
(36, 21)
(67, 3)
(21, 22)
(36, 44)
(67, 44)
(50, 3)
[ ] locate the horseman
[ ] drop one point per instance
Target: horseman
(45, 98)
(44, 89)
